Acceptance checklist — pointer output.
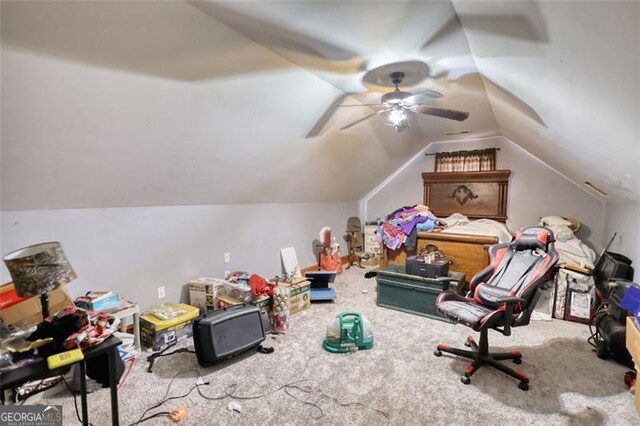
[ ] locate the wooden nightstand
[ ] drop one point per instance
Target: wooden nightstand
(633, 345)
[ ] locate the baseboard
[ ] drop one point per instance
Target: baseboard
(343, 259)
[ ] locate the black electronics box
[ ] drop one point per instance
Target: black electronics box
(612, 266)
(417, 266)
(227, 332)
(618, 289)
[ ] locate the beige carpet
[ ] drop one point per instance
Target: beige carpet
(399, 378)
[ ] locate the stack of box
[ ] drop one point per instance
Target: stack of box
(98, 300)
(203, 293)
(299, 294)
(158, 334)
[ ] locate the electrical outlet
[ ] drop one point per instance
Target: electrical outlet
(227, 257)
(161, 293)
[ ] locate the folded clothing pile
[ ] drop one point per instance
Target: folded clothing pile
(402, 225)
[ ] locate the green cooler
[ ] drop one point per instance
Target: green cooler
(412, 293)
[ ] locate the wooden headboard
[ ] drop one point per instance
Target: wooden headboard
(477, 195)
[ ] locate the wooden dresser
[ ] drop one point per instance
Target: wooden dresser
(633, 345)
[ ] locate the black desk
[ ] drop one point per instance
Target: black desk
(13, 378)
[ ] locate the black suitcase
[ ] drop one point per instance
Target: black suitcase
(417, 266)
(227, 332)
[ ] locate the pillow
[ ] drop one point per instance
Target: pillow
(554, 221)
(562, 232)
(455, 220)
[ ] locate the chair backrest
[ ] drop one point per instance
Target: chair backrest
(518, 268)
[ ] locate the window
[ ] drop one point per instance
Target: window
(466, 161)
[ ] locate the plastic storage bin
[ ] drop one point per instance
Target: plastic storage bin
(411, 293)
(239, 291)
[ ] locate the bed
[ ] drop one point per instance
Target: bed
(476, 195)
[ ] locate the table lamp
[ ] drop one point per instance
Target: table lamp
(39, 269)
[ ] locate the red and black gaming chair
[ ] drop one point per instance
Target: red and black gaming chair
(504, 295)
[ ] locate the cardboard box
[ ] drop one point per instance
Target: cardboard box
(299, 296)
(262, 302)
(98, 300)
(29, 311)
(203, 293)
(224, 301)
(159, 334)
(9, 296)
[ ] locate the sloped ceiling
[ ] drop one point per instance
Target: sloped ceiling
(576, 65)
(161, 103)
(173, 103)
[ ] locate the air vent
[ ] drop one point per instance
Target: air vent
(595, 189)
(458, 132)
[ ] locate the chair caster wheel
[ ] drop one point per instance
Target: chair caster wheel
(524, 386)
(465, 380)
(517, 361)
(437, 353)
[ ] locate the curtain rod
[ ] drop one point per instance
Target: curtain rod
(464, 151)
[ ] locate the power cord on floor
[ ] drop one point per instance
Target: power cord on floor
(75, 400)
(595, 339)
(230, 392)
(165, 399)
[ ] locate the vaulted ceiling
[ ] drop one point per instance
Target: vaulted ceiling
(190, 102)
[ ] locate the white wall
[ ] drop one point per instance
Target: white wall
(134, 250)
(535, 190)
(624, 219)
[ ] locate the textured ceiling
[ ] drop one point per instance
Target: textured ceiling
(161, 103)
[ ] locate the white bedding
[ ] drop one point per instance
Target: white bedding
(570, 248)
(460, 224)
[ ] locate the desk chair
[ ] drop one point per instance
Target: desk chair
(355, 242)
(503, 296)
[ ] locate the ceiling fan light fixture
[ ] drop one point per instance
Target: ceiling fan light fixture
(397, 116)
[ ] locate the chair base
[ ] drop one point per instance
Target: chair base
(480, 355)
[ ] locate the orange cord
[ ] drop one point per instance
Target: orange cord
(179, 414)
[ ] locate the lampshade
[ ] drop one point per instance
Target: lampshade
(39, 269)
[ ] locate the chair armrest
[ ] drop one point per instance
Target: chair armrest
(509, 301)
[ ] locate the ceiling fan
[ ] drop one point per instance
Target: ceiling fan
(398, 103)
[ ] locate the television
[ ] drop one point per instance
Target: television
(612, 266)
(224, 333)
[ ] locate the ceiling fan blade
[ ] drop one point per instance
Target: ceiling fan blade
(426, 93)
(361, 105)
(363, 119)
(439, 112)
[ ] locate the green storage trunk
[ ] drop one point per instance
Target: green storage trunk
(412, 293)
